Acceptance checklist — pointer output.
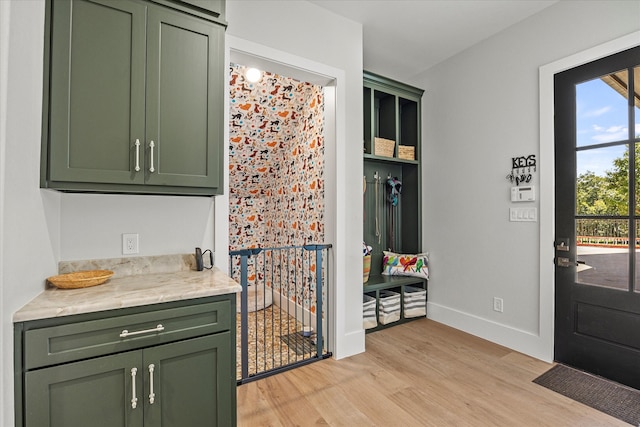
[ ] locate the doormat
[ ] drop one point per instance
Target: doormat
(606, 396)
(300, 344)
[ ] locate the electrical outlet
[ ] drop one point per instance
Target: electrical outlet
(498, 304)
(129, 244)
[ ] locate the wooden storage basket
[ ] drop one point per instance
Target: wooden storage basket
(366, 268)
(383, 147)
(80, 279)
(406, 152)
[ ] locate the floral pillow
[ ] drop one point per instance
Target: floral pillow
(394, 264)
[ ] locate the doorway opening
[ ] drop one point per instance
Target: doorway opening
(277, 204)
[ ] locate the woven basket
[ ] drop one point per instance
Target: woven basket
(80, 279)
(384, 147)
(366, 268)
(406, 152)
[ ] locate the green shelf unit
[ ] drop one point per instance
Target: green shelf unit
(392, 110)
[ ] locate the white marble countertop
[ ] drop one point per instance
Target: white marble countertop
(128, 291)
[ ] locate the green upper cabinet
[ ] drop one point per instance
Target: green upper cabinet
(134, 99)
(184, 100)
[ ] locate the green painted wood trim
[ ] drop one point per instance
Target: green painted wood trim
(18, 366)
(80, 187)
(65, 343)
(233, 382)
(85, 317)
(44, 141)
(385, 282)
(215, 12)
(392, 86)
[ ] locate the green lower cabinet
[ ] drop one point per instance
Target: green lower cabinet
(94, 392)
(190, 379)
(169, 365)
(182, 384)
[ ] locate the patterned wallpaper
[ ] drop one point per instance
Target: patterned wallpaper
(276, 162)
(276, 184)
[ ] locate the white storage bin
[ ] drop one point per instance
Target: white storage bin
(415, 302)
(369, 312)
(389, 307)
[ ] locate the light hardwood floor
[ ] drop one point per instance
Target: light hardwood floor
(421, 373)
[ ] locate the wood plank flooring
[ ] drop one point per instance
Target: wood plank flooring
(421, 373)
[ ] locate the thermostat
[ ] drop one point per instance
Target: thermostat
(523, 194)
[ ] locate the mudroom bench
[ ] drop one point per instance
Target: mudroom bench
(393, 300)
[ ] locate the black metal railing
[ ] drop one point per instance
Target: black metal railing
(283, 317)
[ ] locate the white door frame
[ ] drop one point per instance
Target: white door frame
(332, 79)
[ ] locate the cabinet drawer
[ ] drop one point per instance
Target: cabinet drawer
(75, 341)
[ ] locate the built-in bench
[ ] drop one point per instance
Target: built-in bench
(397, 284)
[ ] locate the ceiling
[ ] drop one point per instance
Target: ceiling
(403, 38)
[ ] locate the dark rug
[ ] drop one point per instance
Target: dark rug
(599, 393)
(301, 345)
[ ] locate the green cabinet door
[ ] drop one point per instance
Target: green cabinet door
(188, 383)
(96, 393)
(97, 90)
(193, 383)
(184, 100)
(135, 99)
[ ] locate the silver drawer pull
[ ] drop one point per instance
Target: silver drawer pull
(134, 399)
(152, 146)
(152, 395)
(126, 333)
(137, 155)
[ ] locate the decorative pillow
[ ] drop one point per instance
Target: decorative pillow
(394, 264)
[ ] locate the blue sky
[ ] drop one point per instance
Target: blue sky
(601, 116)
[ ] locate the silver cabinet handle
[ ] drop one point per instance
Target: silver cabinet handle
(134, 399)
(126, 333)
(137, 155)
(152, 145)
(152, 395)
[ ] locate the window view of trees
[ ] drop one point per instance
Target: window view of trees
(608, 194)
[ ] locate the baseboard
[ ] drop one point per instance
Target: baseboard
(531, 344)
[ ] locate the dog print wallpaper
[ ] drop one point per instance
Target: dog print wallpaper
(276, 164)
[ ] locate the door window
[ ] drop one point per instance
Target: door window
(606, 228)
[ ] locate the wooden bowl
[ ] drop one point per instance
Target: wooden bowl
(80, 279)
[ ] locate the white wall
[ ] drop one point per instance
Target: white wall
(306, 32)
(91, 225)
(29, 217)
(481, 108)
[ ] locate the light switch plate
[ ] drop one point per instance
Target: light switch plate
(523, 214)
